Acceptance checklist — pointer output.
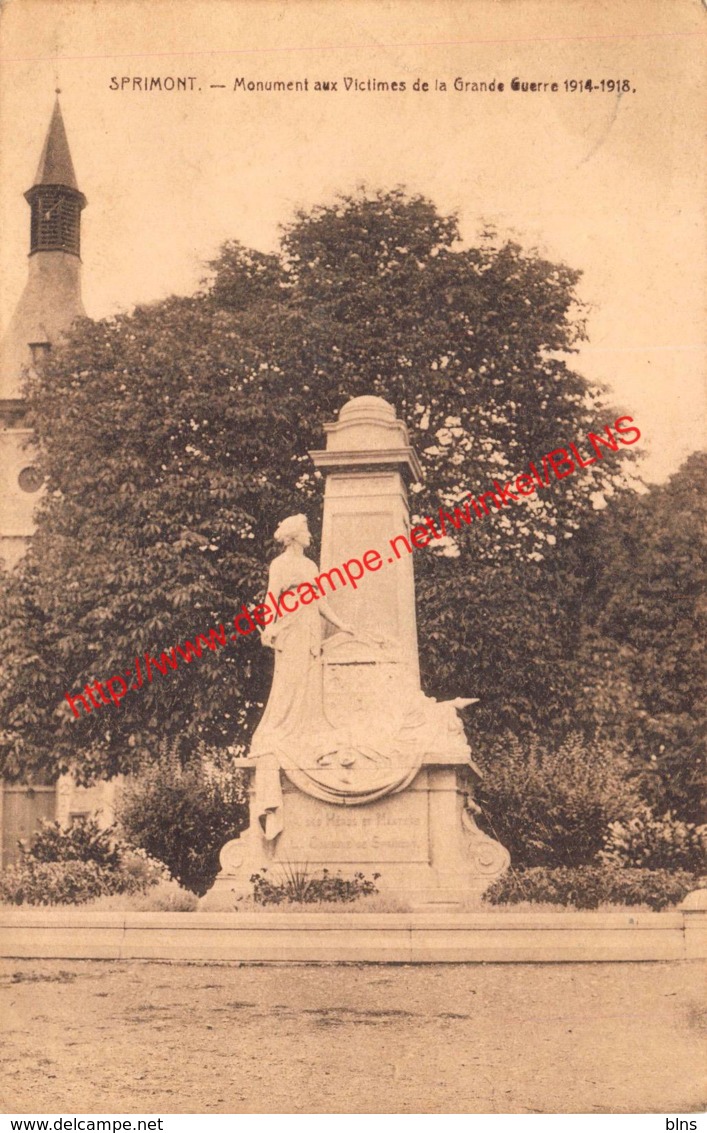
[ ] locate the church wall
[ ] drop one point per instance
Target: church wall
(19, 493)
(48, 305)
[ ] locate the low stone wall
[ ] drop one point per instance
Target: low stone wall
(349, 937)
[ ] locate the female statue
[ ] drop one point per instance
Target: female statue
(295, 701)
(370, 755)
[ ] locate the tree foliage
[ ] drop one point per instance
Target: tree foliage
(643, 635)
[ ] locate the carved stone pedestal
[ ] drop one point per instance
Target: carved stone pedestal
(422, 841)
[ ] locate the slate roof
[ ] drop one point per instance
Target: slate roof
(55, 164)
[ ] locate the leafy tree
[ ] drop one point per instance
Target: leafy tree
(173, 440)
(643, 635)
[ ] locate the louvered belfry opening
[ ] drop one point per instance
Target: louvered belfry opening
(56, 220)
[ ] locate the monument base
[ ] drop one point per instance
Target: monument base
(423, 842)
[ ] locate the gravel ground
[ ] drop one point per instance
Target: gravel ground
(144, 1037)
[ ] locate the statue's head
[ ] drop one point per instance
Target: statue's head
(294, 529)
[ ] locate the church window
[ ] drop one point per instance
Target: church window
(30, 479)
(39, 351)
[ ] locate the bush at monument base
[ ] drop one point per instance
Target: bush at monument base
(589, 886)
(551, 805)
(73, 882)
(82, 841)
(295, 885)
(53, 883)
(182, 813)
(74, 864)
(648, 842)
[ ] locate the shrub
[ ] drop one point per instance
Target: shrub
(648, 842)
(182, 812)
(137, 873)
(54, 883)
(587, 887)
(553, 807)
(56, 852)
(296, 886)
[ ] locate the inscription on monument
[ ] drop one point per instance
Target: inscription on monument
(391, 830)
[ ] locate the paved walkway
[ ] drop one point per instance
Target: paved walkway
(143, 1037)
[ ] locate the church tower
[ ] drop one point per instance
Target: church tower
(49, 304)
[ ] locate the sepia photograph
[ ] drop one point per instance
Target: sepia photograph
(352, 560)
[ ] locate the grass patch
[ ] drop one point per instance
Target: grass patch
(166, 897)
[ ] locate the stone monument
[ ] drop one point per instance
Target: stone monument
(352, 767)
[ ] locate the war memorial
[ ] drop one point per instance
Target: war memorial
(352, 767)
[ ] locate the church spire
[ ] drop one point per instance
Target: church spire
(51, 299)
(47, 307)
(55, 164)
(55, 199)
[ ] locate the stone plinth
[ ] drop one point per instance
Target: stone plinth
(286, 936)
(422, 841)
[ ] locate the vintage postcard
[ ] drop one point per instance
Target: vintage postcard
(352, 491)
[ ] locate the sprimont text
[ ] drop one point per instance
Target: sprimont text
(555, 465)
